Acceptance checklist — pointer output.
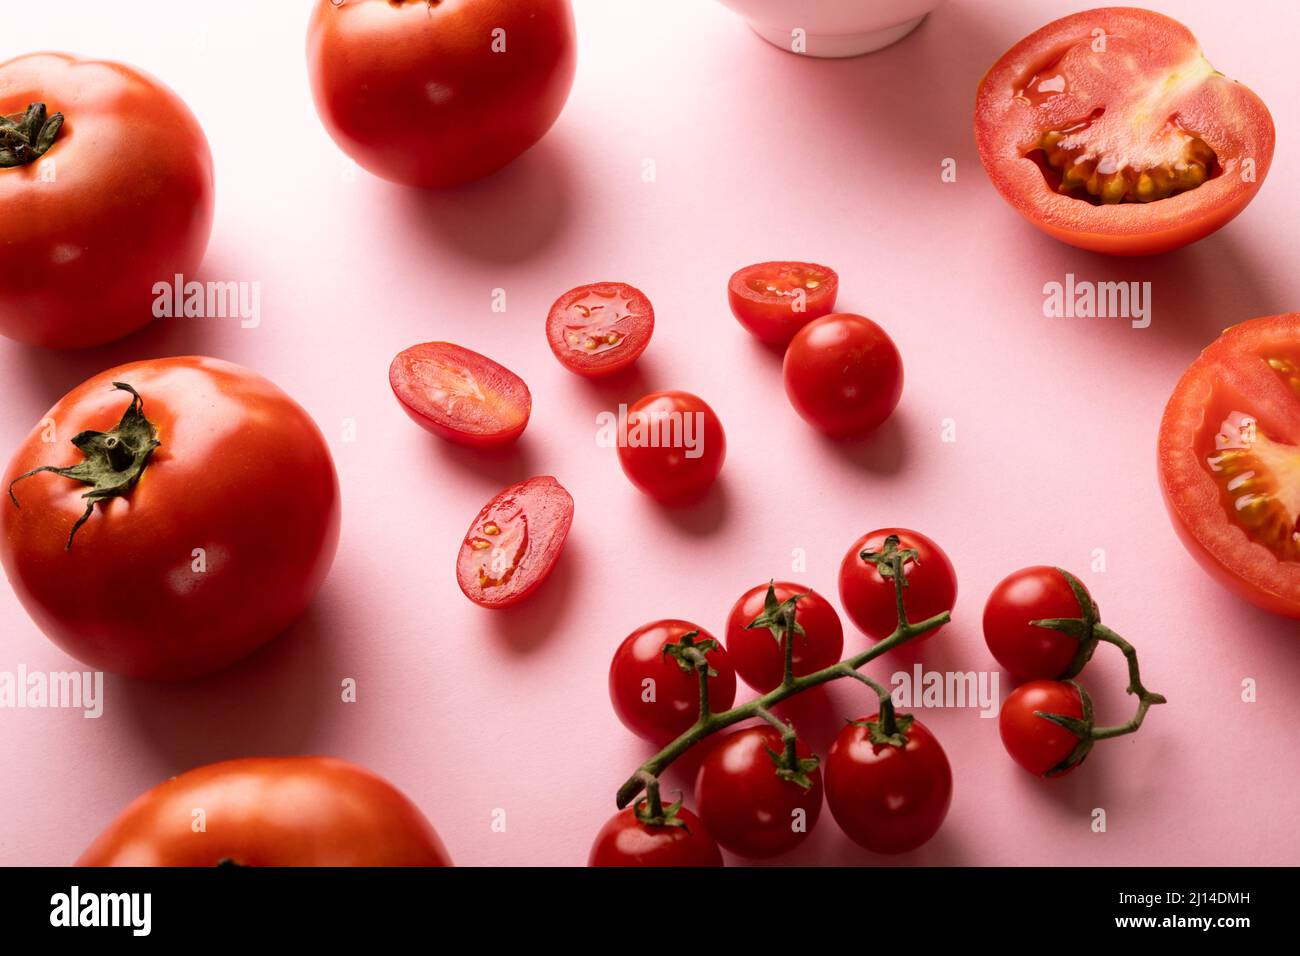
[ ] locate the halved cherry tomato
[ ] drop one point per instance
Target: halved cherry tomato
(1109, 130)
(1229, 453)
(433, 93)
(759, 653)
(843, 374)
(514, 542)
(1036, 743)
(270, 811)
(600, 329)
(774, 300)
(888, 798)
(674, 446)
(625, 840)
(750, 807)
(460, 395)
(1032, 594)
(868, 598)
(655, 692)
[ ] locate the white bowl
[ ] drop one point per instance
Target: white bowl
(832, 28)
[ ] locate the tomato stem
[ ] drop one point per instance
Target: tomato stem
(25, 137)
(891, 562)
(1146, 699)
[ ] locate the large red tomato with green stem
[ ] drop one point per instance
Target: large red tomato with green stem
(1229, 456)
(439, 93)
(170, 516)
(270, 811)
(106, 187)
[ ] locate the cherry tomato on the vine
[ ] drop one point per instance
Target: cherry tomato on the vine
(271, 811)
(758, 653)
(1034, 742)
(1032, 594)
(673, 448)
(774, 300)
(625, 840)
(653, 687)
(888, 798)
(868, 597)
(752, 807)
(843, 374)
(600, 329)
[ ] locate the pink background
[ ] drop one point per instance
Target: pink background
(759, 155)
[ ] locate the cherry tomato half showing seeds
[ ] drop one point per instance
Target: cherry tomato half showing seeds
(749, 808)
(888, 798)
(655, 689)
(1029, 652)
(271, 811)
(214, 520)
(674, 447)
(1109, 130)
(758, 653)
(439, 94)
(1038, 744)
(625, 840)
(514, 542)
(868, 598)
(774, 300)
(1229, 455)
(106, 184)
(600, 329)
(460, 395)
(843, 375)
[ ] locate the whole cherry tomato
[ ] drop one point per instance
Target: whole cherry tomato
(1036, 743)
(626, 840)
(868, 597)
(673, 448)
(439, 94)
(655, 689)
(191, 519)
(270, 811)
(106, 187)
(752, 805)
(888, 797)
(758, 653)
(1033, 594)
(843, 374)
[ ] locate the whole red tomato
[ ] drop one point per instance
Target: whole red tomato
(1036, 743)
(626, 840)
(868, 597)
(758, 653)
(106, 188)
(887, 797)
(270, 811)
(749, 803)
(674, 446)
(213, 517)
(655, 689)
(843, 374)
(1033, 594)
(439, 94)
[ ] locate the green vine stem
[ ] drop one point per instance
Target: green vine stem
(891, 561)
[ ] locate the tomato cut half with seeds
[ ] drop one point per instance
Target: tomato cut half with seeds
(1230, 461)
(1110, 130)
(460, 395)
(774, 300)
(600, 329)
(514, 542)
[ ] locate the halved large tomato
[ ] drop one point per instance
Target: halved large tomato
(1109, 130)
(1230, 461)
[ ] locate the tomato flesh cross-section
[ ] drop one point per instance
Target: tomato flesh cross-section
(600, 329)
(1110, 130)
(514, 542)
(460, 395)
(774, 300)
(1230, 461)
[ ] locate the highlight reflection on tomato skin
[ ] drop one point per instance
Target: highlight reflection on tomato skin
(219, 547)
